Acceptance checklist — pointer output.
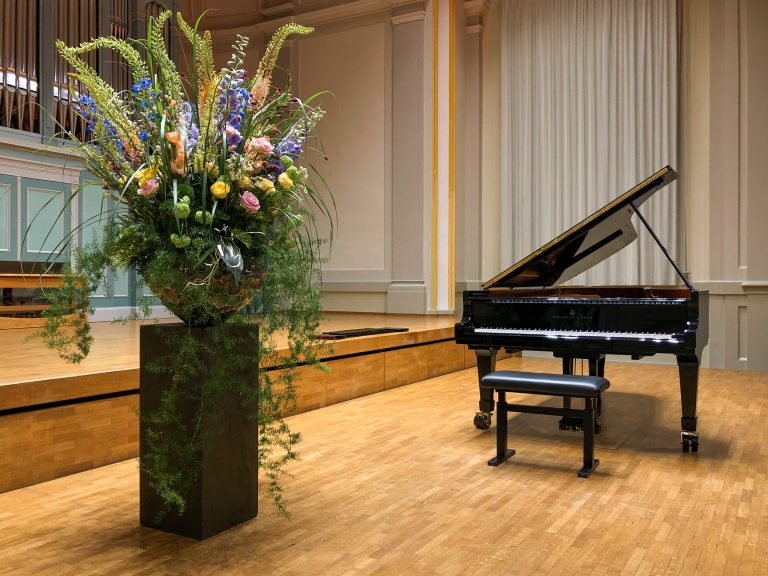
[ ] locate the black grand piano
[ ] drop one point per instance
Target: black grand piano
(523, 308)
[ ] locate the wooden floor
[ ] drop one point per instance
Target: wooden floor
(397, 483)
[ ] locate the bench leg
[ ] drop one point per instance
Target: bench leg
(502, 453)
(596, 368)
(588, 423)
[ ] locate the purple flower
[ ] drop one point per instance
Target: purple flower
(289, 147)
(233, 99)
(194, 134)
(233, 135)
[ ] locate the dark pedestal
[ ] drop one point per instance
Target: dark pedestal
(226, 493)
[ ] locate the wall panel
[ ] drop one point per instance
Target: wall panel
(7, 218)
(352, 65)
(45, 219)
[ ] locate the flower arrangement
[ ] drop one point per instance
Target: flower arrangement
(212, 204)
(205, 173)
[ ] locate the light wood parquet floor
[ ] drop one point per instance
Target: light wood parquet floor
(397, 483)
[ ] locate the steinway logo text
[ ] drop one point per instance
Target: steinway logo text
(571, 316)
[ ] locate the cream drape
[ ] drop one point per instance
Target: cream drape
(589, 108)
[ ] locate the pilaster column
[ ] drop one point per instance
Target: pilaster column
(411, 214)
(469, 150)
(442, 15)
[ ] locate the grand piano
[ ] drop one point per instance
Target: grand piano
(525, 308)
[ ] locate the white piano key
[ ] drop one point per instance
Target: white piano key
(572, 334)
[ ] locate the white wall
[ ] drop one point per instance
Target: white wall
(351, 64)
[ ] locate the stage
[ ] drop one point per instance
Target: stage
(58, 418)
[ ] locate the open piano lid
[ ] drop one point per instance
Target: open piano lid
(586, 244)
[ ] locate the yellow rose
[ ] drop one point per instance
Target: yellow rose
(245, 182)
(220, 189)
(285, 181)
(266, 185)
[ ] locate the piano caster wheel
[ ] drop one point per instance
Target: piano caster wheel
(483, 420)
(689, 440)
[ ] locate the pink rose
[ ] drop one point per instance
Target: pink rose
(259, 146)
(149, 188)
(249, 202)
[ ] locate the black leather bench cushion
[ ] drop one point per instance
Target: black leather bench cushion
(549, 384)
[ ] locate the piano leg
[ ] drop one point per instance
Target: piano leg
(688, 367)
(597, 366)
(486, 363)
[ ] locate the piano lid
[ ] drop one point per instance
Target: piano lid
(586, 244)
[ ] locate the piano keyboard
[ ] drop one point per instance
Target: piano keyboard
(577, 334)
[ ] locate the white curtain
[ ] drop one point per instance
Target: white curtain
(589, 108)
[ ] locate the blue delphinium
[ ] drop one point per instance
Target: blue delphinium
(289, 147)
(144, 84)
(233, 100)
(86, 107)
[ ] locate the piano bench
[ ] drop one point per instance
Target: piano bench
(571, 385)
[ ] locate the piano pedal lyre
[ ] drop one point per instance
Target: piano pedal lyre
(483, 420)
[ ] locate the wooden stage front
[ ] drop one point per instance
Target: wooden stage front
(57, 418)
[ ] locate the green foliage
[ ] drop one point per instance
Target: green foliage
(287, 305)
(201, 374)
(213, 210)
(66, 328)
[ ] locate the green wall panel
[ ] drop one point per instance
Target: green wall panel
(8, 218)
(45, 220)
(93, 211)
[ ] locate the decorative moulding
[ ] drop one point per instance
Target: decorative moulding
(476, 7)
(277, 11)
(409, 17)
(354, 286)
(28, 142)
(755, 287)
(38, 168)
(732, 287)
(345, 11)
